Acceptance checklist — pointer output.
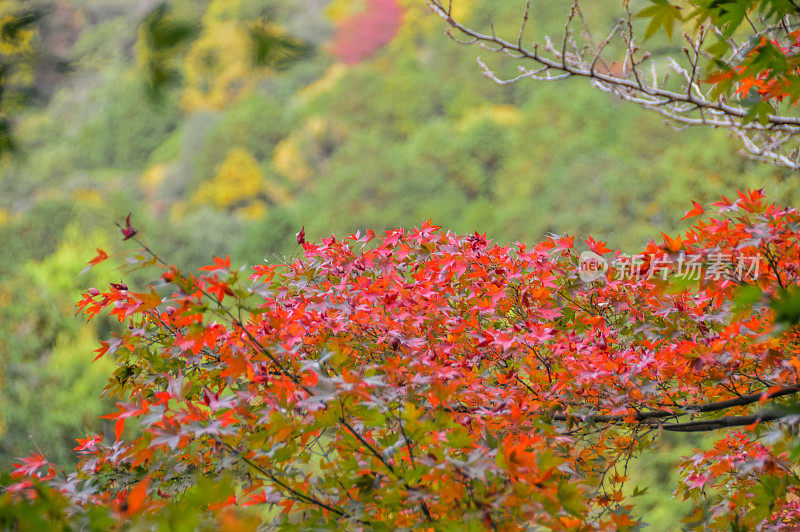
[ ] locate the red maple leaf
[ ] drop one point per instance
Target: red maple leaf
(128, 231)
(29, 466)
(696, 210)
(219, 264)
(100, 257)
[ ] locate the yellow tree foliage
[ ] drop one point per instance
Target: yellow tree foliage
(233, 52)
(19, 44)
(217, 67)
(417, 20)
(288, 160)
(305, 153)
(239, 186)
(326, 83)
(504, 115)
(341, 9)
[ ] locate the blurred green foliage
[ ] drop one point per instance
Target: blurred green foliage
(47, 381)
(411, 133)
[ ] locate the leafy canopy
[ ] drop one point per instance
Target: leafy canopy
(429, 378)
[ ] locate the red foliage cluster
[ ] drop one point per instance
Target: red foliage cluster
(363, 34)
(430, 377)
(770, 71)
(736, 467)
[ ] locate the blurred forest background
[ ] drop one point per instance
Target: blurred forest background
(224, 126)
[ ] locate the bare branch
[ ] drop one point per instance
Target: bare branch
(524, 22)
(776, 139)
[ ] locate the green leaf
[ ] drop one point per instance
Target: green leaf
(459, 438)
(570, 498)
(719, 48)
(746, 297)
(759, 112)
(662, 14)
(373, 418)
(787, 307)
(728, 15)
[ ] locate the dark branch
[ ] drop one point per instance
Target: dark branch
(744, 400)
(705, 425)
(302, 497)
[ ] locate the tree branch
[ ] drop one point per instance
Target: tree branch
(302, 497)
(706, 425)
(692, 426)
(793, 123)
(773, 138)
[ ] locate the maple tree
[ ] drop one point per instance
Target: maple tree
(737, 65)
(430, 379)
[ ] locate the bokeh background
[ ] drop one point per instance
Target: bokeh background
(224, 126)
